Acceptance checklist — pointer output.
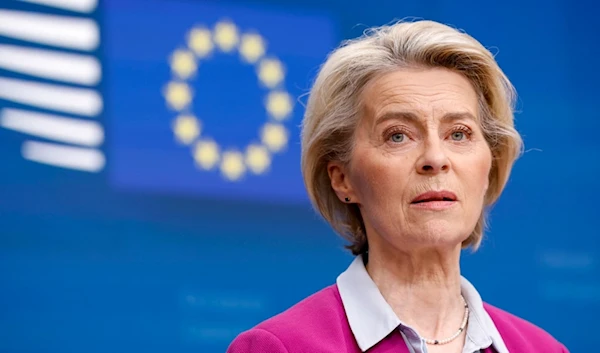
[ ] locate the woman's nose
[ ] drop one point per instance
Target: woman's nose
(434, 159)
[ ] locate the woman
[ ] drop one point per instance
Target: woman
(408, 136)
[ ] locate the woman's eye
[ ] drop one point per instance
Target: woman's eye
(458, 135)
(398, 137)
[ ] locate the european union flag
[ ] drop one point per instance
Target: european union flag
(203, 98)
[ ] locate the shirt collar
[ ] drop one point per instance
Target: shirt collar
(371, 318)
(478, 312)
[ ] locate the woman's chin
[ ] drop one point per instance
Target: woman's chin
(440, 234)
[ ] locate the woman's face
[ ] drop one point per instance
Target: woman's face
(419, 168)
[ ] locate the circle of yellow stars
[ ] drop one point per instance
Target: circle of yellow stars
(233, 163)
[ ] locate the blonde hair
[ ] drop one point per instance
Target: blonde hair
(333, 110)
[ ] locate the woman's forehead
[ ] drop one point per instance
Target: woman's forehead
(408, 85)
(425, 92)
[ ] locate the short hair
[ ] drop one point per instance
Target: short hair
(333, 110)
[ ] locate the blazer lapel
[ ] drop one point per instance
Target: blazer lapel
(393, 343)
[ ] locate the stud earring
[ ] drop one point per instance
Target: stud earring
(347, 199)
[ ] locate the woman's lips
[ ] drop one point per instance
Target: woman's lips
(431, 196)
(435, 200)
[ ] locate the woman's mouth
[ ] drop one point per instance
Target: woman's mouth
(435, 200)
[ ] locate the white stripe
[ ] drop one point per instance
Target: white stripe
(82, 132)
(73, 5)
(75, 68)
(61, 31)
(80, 101)
(77, 158)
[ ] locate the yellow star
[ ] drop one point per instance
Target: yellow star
(183, 63)
(232, 165)
(270, 72)
(274, 136)
(226, 35)
(206, 154)
(279, 105)
(252, 47)
(178, 95)
(258, 158)
(199, 40)
(187, 128)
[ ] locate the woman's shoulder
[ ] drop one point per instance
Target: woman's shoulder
(516, 331)
(321, 306)
(319, 315)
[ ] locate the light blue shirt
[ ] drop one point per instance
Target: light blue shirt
(371, 318)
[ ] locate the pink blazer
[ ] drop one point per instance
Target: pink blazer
(318, 324)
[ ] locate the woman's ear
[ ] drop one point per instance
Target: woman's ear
(340, 182)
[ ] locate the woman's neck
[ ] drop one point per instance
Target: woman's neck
(422, 287)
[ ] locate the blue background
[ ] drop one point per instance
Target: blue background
(89, 265)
